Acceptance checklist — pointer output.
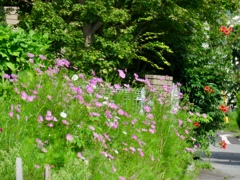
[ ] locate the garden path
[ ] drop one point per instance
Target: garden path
(226, 162)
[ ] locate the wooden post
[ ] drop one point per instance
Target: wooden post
(47, 172)
(19, 172)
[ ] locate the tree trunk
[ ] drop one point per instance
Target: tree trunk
(89, 29)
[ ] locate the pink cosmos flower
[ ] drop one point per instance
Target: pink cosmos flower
(42, 57)
(180, 122)
(79, 155)
(24, 95)
(121, 112)
(31, 61)
(152, 131)
(190, 150)
(204, 115)
(92, 128)
(121, 178)
(150, 116)
(6, 76)
(125, 144)
(112, 106)
(40, 119)
(108, 114)
(140, 152)
(69, 137)
(81, 76)
(11, 114)
(114, 169)
(49, 97)
(147, 109)
(65, 122)
(30, 98)
(39, 71)
(134, 137)
(30, 55)
(121, 74)
(110, 156)
(182, 137)
(107, 137)
(152, 157)
(132, 149)
(89, 89)
(98, 104)
(92, 114)
(117, 86)
(14, 76)
(34, 91)
(50, 125)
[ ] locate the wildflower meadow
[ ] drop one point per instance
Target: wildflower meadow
(86, 128)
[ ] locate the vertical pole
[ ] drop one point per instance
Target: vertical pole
(19, 172)
(47, 172)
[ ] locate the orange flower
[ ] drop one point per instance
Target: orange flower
(196, 124)
(223, 144)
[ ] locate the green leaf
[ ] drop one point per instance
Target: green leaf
(11, 66)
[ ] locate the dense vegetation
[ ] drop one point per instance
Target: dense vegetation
(196, 42)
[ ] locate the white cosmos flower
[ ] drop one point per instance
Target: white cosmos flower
(75, 77)
(63, 114)
(205, 45)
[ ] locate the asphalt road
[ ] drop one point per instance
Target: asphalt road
(226, 162)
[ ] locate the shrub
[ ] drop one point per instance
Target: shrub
(15, 46)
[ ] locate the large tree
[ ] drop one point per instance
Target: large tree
(125, 33)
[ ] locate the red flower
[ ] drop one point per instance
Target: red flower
(223, 144)
(230, 29)
(223, 108)
(222, 28)
(212, 90)
(207, 88)
(226, 32)
(196, 124)
(1, 130)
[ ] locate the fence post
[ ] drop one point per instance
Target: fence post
(19, 172)
(47, 172)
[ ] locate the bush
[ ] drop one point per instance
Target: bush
(15, 46)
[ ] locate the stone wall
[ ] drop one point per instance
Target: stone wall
(158, 81)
